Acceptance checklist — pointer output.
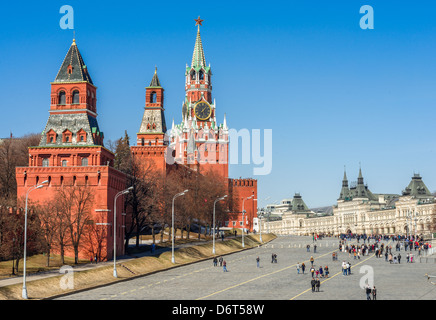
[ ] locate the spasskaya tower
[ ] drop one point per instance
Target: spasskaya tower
(199, 141)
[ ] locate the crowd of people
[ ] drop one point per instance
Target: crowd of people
(356, 246)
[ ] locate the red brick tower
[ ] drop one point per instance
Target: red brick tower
(71, 152)
(199, 142)
(150, 142)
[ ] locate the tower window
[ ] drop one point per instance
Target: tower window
(67, 136)
(153, 97)
(76, 97)
(61, 97)
(64, 163)
(201, 75)
(193, 75)
(84, 162)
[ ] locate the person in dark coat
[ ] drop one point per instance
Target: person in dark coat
(313, 284)
(368, 293)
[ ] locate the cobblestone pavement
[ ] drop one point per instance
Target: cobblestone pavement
(279, 281)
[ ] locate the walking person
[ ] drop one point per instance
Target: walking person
(221, 261)
(312, 260)
(312, 271)
(303, 267)
(313, 284)
(257, 261)
(317, 284)
(344, 268)
(374, 293)
(298, 268)
(224, 266)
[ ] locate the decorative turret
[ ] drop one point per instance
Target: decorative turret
(298, 204)
(198, 59)
(417, 188)
(73, 68)
(345, 191)
(153, 126)
(361, 191)
(198, 83)
(360, 188)
(73, 109)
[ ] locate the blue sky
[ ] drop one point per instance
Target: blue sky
(332, 93)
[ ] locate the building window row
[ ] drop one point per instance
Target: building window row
(67, 136)
(64, 162)
(62, 98)
(75, 97)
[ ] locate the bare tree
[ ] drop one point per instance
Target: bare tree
(12, 245)
(95, 236)
(144, 202)
(13, 153)
(48, 226)
(62, 208)
(75, 204)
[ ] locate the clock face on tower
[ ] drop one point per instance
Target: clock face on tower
(202, 110)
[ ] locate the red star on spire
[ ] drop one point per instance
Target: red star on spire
(198, 21)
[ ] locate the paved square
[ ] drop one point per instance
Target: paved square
(279, 280)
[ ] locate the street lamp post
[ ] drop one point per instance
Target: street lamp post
(115, 226)
(260, 227)
(38, 186)
(243, 221)
(213, 236)
(260, 220)
(172, 225)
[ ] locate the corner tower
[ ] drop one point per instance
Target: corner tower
(71, 156)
